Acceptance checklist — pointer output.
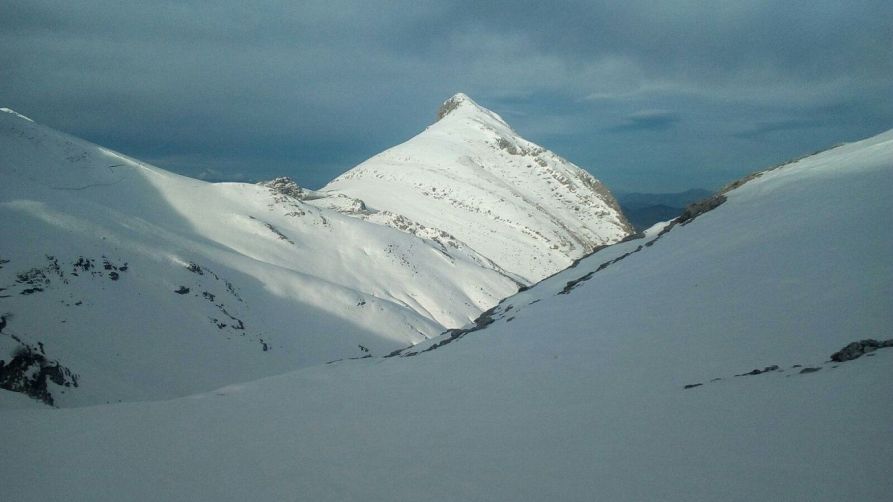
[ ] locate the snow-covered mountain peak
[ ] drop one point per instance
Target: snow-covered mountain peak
(470, 175)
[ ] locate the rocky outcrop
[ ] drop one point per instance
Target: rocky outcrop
(692, 211)
(285, 186)
(856, 350)
(30, 372)
(450, 105)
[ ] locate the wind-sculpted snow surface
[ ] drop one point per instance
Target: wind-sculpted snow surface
(695, 368)
(151, 285)
(471, 176)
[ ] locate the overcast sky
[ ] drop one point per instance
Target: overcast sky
(646, 95)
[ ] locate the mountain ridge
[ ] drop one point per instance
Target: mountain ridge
(145, 284)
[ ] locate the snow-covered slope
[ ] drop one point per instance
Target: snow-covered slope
(144, 284)
(577, 388)
(471, 176)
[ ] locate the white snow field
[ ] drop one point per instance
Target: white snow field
(563, 396)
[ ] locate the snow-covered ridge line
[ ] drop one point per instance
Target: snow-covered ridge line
(17, 114)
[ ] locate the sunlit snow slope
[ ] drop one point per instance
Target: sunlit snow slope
(577, 388)
(122, 281)
(471, 176)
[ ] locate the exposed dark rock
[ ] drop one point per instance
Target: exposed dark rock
(31, 277)
(449, 105)
(809, 370)
(30, 373)
(278, 233)
(698, 208)
(195, 269)
(481, 322)
(576, 282)
(83, 264)
(285, 186)
(767, 369)
(182, 290)
(692, 385)
(113, 276)
(232, 290)
(855, 350)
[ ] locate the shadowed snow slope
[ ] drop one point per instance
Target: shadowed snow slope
(470, 175)
(141, 284)
(574, 396)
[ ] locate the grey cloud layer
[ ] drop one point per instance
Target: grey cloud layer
(310, 88)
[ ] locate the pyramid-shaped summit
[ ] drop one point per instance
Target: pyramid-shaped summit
(471, 175)
(460, 105)
(458, 100)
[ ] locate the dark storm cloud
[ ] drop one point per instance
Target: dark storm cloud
(311, 88)
(648, 120)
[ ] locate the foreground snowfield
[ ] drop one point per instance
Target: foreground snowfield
(576, 396)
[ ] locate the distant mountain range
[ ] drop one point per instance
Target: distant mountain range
(645, 209)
